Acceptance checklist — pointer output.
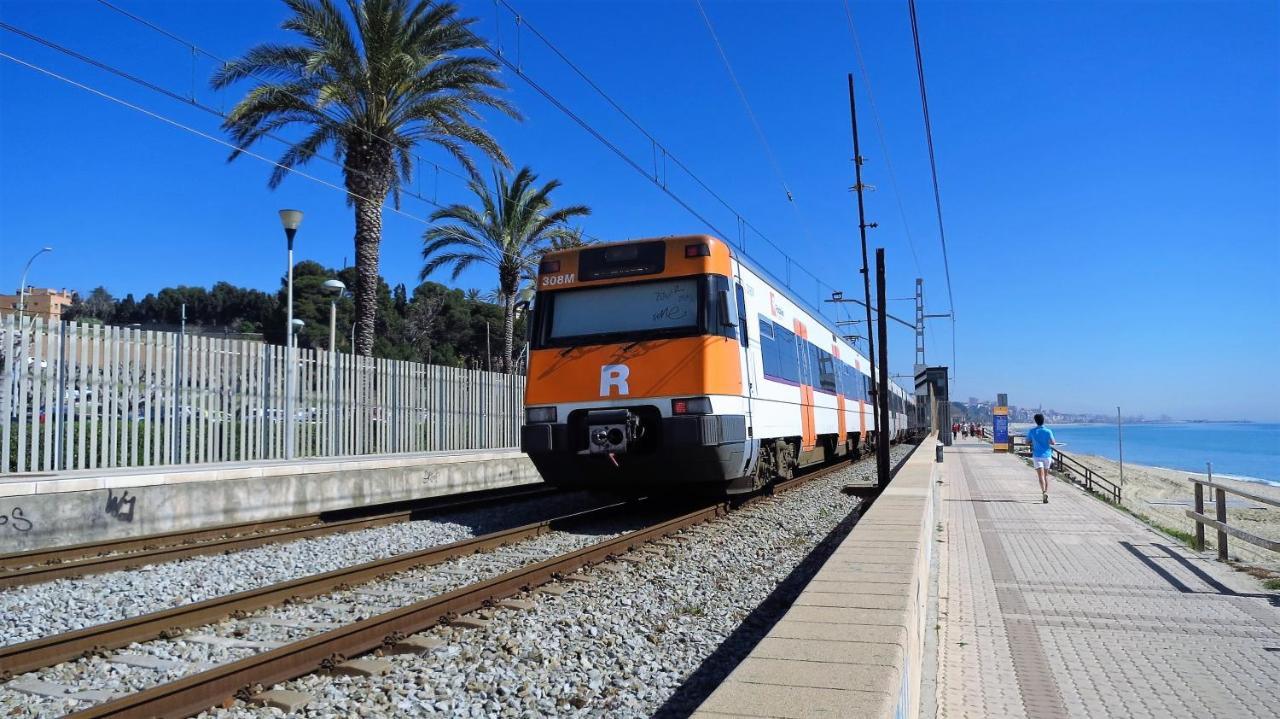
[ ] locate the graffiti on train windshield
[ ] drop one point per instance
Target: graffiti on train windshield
(641, 309)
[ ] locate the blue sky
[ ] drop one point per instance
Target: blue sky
(1110, 171)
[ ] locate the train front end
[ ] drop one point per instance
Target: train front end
(635, 366)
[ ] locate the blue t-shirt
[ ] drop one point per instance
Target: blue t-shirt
(1040, 439)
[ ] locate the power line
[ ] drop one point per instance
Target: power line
(746, 104)
(196, 49)
(884, 145)
(517, 68)
(655, 178)
(933, 163)
(218, 113)
(192, 130)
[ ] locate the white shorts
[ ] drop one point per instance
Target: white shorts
(1041, 462)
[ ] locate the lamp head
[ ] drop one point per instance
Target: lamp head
(290, 219)
(297, 325)
(336, 287)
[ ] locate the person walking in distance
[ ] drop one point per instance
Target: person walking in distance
(1041, 439)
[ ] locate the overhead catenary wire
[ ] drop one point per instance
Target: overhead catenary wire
(746, 104)
(933, 167)
(191, 101)
(518, 69)
(197, 49)
(933, 160)
(884, 145)
(192, 130)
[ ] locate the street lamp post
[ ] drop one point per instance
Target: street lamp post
(336, 288)
(290, 219)
(22, 286)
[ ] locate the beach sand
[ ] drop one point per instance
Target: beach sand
(1162, 496)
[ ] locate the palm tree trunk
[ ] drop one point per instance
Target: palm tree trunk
(508, 330)
(368, 239)
(369, 172)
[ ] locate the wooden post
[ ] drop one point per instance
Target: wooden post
(1199, 545)
(1220, 497)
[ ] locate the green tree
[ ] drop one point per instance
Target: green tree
(509, 231)
(100, 304)
(371, 83)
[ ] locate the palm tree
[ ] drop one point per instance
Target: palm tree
(370, 83)
(509, 231)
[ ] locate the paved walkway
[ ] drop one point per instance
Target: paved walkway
(1073, 609)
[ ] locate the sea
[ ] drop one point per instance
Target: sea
(1240, 450)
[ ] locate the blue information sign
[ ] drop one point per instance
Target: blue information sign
(1000, 428)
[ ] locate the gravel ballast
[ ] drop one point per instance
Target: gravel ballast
(645, 638)
(237, 638)
(63, 605)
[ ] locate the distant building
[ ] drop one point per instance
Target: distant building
(43, 302)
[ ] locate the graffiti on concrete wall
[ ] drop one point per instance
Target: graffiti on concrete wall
(121, 507)
(16, 520)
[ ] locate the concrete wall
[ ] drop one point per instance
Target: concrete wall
(852, 644)
(39, 511)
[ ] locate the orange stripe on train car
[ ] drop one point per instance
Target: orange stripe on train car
(692, 366)
(808, 426)
(840, 421)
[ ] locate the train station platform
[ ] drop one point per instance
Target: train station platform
(53, 509)
(852, 643)
(1075, 609)
(960, 594)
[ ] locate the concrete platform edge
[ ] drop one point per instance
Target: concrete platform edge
(864, 656)
(131, 503)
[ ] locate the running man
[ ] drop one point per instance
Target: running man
(1041, 439)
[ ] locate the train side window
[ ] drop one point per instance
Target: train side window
(742, 318)
(769, 360)
(788, 357)
(720, 311)
(826, 370)
(815, 373)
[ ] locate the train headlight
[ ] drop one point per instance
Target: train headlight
(540, 415)
(691, 405)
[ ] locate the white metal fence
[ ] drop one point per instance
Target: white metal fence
(89, 396)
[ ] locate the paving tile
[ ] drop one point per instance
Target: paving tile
(1073, 609)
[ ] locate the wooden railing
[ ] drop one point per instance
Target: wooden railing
(1220, 522)
(1091, 480)
(1075, 470)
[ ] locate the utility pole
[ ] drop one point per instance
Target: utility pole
(919, 324)
(862, 233)
(882, 424)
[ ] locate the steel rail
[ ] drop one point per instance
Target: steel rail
(166, 623)
(218, 685)
(197, 692)
(75, 560)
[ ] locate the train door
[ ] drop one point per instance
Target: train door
(748, 370)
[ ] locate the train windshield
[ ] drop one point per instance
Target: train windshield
(620, 313)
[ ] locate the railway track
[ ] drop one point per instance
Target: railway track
(43, 565)
(329, 649)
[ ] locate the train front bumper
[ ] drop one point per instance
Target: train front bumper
(696, 448)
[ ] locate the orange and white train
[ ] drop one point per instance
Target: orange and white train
(671, 360)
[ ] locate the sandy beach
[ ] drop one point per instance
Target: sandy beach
(1162, 496)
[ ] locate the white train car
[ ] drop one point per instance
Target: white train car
(671, 360)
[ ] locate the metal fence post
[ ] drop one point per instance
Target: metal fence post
(1199, 545)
